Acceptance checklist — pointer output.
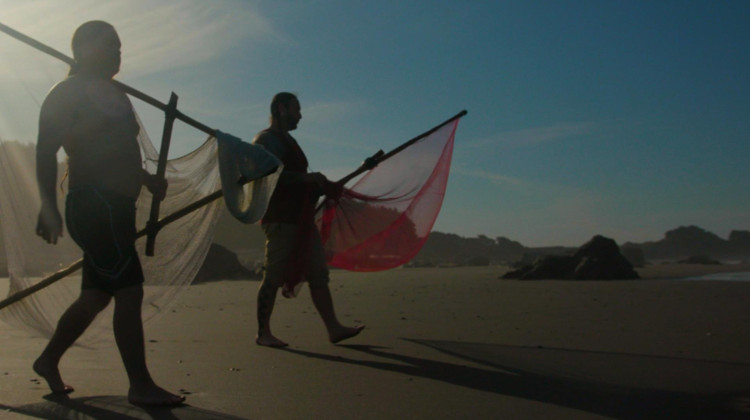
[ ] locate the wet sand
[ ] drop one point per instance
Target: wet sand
(439, 344)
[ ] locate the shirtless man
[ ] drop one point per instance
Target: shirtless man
(94, 122)
(293, 244)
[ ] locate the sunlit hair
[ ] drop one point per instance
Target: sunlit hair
(283, 99)
(85, 34)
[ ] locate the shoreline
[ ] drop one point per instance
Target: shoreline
(439, 344)
(681, 270)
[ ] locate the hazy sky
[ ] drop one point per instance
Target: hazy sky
(625, 119)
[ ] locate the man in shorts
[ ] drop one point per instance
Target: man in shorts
(94, 122)
(293, 245)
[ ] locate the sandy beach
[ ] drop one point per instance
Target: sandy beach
(449, 343)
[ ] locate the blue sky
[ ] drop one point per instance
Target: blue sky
(625, 119)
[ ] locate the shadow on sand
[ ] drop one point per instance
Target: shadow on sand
(621, 386)
(110, 407)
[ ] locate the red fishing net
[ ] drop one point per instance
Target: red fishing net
(383, 220)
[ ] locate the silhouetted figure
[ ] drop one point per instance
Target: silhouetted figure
(293, 244)
(94, 122)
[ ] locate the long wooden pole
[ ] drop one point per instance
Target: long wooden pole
(171, 113)
(125, 88)
(377, 158)
(380, 156)
(58, 275)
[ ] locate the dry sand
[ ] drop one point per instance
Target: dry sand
(440, 344)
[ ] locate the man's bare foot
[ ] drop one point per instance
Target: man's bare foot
(51, 374)
(340, 334)
(269, 340)
(154, 396)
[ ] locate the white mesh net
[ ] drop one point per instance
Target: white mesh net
(181, 246)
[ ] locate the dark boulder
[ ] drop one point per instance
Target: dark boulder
(597, 259)
(600, 258)
(546, 267)
(223, 264)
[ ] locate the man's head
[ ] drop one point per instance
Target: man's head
(96, 48)
(285, 111)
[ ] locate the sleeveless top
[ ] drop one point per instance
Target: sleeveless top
(291, 200)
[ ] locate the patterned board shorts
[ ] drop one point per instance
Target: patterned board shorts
(102, 223)
(281, 248)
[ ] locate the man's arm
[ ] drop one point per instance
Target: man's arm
(55, 121)
(321, 184)
(155, 185)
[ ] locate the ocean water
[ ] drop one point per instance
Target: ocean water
(741, 276)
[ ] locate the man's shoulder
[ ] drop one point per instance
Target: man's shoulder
(73, 83)
(62, 99)
(271, 141)
(266, 136)
(67, 91)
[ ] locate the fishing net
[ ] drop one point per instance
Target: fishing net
(383, 220)
(181, 246)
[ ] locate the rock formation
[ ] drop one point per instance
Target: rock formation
(597, 259)
(223, 264)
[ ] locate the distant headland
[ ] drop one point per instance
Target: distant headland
(684, 243)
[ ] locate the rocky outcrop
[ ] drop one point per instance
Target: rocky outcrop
(223, 264)
(597, 259)
(679, 243)
(687, 241)
(451, 249)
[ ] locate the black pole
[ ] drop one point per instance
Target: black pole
(161, 170)
(58, 275)
(125, 88)
(380, 156)
(171, 113)
(377, 158)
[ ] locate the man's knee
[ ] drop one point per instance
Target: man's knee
(131, 296)
(267, 288)
(318, 278)
(318, 285)
(94, 301)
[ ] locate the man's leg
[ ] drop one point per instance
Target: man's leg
(266, 301)
(318, 276)
(72, 324)
(128, 328)
(279, 246)
(321, 297)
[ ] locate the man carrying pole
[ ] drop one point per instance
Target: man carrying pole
(285, 116)
(293, 244)
(251, 165)
(93, 121)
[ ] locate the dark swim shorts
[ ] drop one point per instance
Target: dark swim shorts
(281, 248)
(102, 223)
